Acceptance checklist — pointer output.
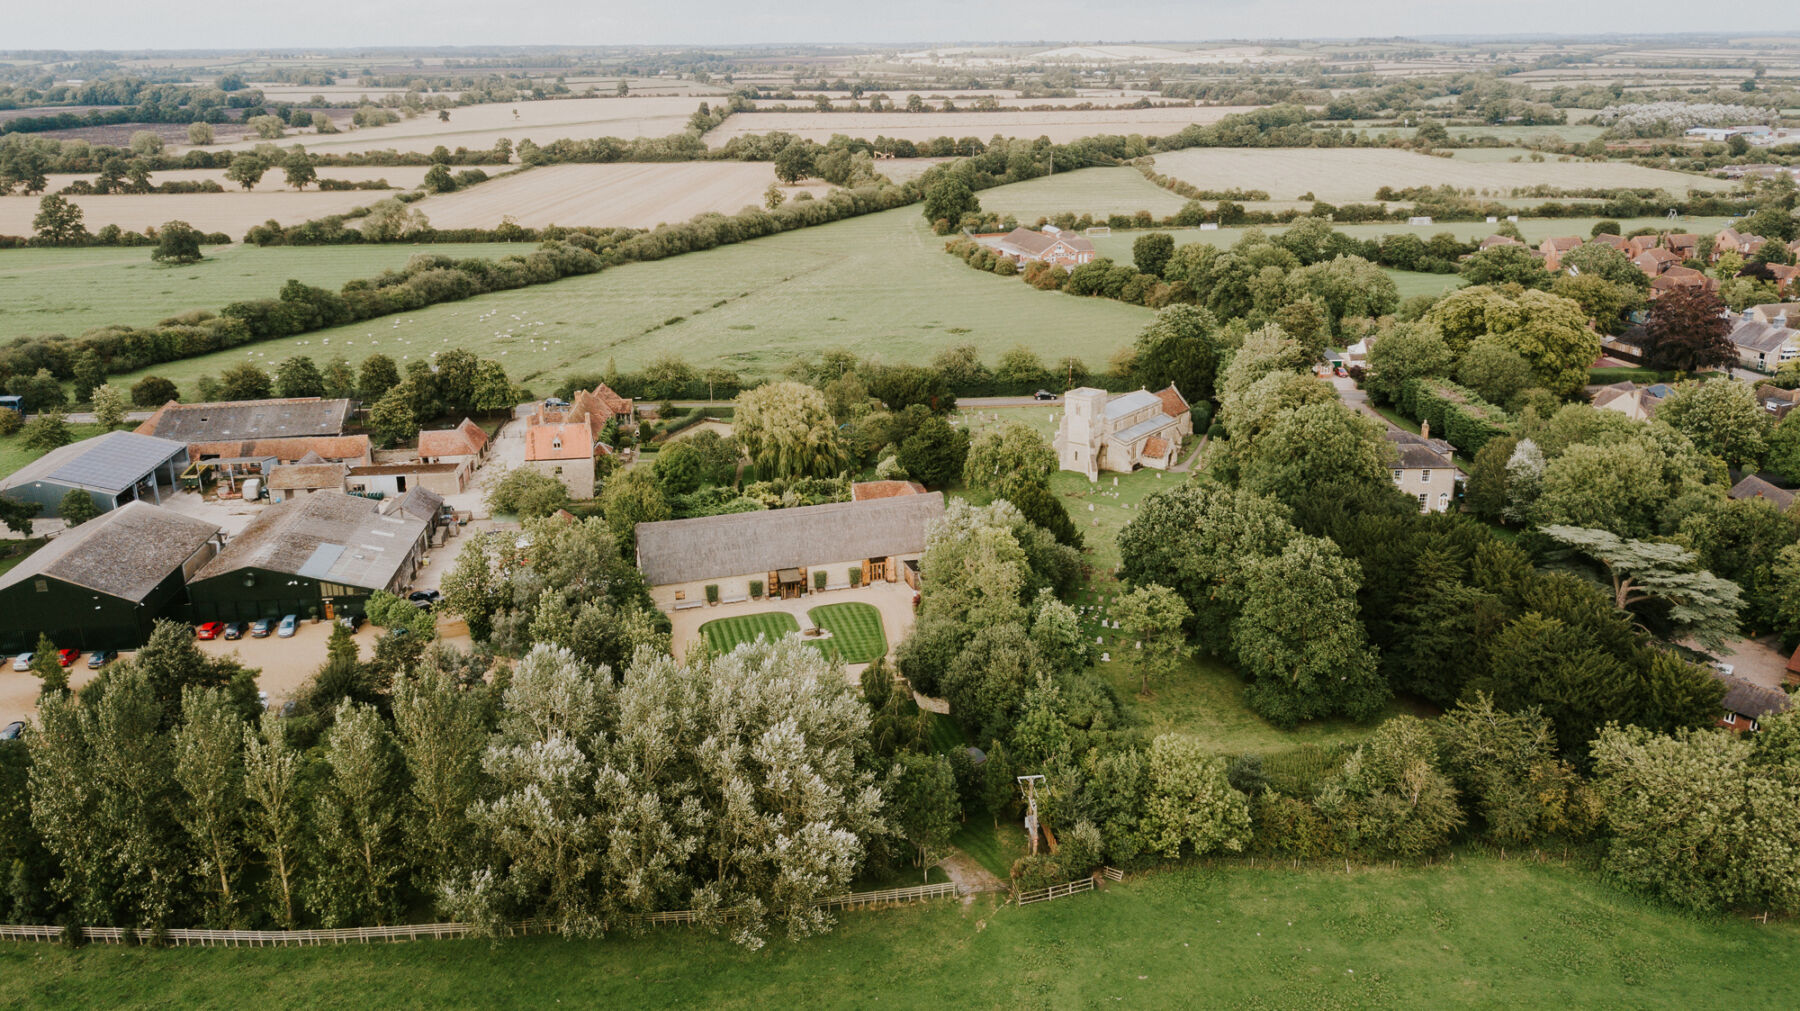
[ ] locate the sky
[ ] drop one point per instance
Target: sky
(189, 24)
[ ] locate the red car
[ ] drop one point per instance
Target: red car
(65, 657)
(210, 630)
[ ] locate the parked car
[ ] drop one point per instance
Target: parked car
(22, 662)
(100, 658)
(289, 625)
(398, 631)
(12, 731)
(209, 630)
(425, 600)
(351, 621)
(261, 627)
(1044, 395)
(67, 657)
(555, 402)
(234, 630)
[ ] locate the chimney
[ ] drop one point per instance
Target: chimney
(1424, 429)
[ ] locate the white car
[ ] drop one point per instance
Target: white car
(22, 662)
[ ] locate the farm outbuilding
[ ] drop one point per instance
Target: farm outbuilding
(321, 555)
(784, 548)
(113, 469)
(103, 584)
(394, 479)
(241, 420)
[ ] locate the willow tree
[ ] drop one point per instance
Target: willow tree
(787, 430)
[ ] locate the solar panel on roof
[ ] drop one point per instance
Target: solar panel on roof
(116, 461)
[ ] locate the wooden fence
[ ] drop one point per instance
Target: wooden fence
(181, 936)
(1061, 891)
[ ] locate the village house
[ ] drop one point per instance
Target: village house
(318, 556)
(1611, 241)
(103, 584)
(779, 551)
(1424, 468)
(1677, 276)
(1730, 240)
(565, 451)
(1052, 245)
(466, 444)
(1746, 704)
(113, 469)
(1763, 338)
(1683, 244)
(1777, 401)
(1654, 261)
(1755, 487)
(1099, 432)
(1638, 403)
(1498, 240)
(1554, 249)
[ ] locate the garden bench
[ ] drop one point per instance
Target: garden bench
(689, 604)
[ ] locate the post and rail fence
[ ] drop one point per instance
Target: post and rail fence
(187, 936)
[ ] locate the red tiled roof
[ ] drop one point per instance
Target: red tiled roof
(863, 491)
(1174, 404)
(568, 441)
(613, 402)
(466, 439)
(290, 449)
(1156, 446)
(1794, 663)
(1564, 243)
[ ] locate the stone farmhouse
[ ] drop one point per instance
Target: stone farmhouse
(1099, 432)
(565, 451)
(783, 549)
(1424, 469)
(466, 443)
(1052, 245)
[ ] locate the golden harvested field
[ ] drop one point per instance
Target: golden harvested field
(1060, 127)
(1340, 175)
(637, 195)
(232, 213)
(479, 126)
(401, 176)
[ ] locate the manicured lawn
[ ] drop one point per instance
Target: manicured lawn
(1412, 282)
(856, 633)
(878, 285)
(69, 291)
(726, 633)
(14, 454)
(1473, 933)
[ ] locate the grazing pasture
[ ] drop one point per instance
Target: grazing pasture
(233, 212)
(1060, 125)
(69, 291)
(634, 194)
(1342, 175)
(479, 126)
(1096, 191)
(1474, 932)
(879, 285)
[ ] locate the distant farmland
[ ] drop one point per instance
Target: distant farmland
(634, 194)
(232, 212)
(479, 126)
(1060, 125)
(1342, 175)
(879, 285)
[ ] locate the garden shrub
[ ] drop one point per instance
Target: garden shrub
(756, 589)
(819, 579)
(712, 593)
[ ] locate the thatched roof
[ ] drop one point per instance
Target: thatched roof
(685, 551)
(1752, 700)
(124, 553)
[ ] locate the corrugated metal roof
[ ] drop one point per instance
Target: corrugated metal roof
(124, 553)
(107, 463)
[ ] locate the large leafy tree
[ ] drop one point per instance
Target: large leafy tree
(1686, 331)
(934, 453)
(1403, 352)
(1189, 804)
(787, 430)
(177, 242)
(1298, 638)
(1181, 347)
(355, 821)
(1721, 418)
(1153, 616)
(1698, 604)
(1011, 452)
(58, 222)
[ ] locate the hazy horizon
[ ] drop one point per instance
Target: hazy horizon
(336, 24)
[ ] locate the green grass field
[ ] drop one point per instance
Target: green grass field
(856, 633)
(1096, 191)
(14, 454)
(1473, 933)
(725, 634)
(14, 552)
(879, 285)
(69, 291)
(1412, 282)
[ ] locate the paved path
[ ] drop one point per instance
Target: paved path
(1348, 392)
(1188, 464)
(970, 878)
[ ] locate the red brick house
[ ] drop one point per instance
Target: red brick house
(1746, 704)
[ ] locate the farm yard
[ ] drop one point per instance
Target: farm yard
(1060, 125)
(1474, 932)
(69, 291)
(479, 126)
(636, 195)
(879, 285)
(1342, 175)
